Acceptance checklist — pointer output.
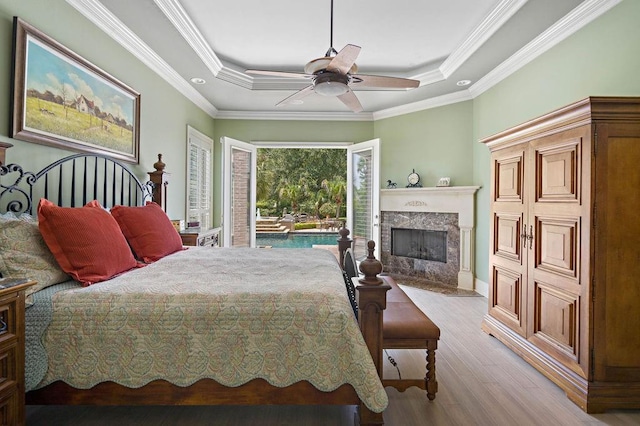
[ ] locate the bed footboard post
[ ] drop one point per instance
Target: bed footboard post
(344, 242)
(372, 301)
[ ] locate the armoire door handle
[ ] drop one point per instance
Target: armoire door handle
(524, 238)
(530, 237)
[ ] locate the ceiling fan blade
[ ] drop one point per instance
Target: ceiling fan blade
(345, 59)
(364, 80)
(279, 74)
(351, 100)
(296, 96)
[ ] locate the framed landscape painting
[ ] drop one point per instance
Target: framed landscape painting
(62, 100)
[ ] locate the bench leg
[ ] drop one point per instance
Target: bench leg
(430, 379)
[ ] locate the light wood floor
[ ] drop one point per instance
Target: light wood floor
(481, 382)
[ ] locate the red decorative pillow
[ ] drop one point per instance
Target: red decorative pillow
(86, 242)
(148, 231)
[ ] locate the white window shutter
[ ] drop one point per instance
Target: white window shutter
(199, 161)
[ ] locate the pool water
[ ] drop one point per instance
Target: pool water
(297, 240)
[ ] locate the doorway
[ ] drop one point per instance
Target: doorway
(362, 189)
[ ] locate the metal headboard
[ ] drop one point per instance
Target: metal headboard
(72, 181)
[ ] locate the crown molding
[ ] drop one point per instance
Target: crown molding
(429, 77)
(451, 98)
(568, 25)
(181, 21)
(294, 116)
(492, 23)
(100, 16)
(176, 14)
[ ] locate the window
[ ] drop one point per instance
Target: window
(199, 160)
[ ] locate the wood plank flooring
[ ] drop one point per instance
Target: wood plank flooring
(481, 382)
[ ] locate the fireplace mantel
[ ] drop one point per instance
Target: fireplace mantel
(451, 199)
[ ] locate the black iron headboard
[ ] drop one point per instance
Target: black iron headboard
(72, 181)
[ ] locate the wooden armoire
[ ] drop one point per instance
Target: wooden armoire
(564, 271)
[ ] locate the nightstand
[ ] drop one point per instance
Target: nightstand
(12, 411)
(198, 237)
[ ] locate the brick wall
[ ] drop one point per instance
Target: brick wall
(241, 178)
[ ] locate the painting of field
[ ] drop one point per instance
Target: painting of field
(69, 123)
(63, 100)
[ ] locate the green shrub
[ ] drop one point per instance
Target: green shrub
(328, 210)
(305, 225)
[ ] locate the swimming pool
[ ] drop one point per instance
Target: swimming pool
(297, 239)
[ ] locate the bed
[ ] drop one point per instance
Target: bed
(197, 326)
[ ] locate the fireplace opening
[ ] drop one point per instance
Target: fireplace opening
(419, 244)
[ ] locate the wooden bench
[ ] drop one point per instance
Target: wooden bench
(405, 326)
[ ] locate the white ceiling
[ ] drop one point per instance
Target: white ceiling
(438, 42)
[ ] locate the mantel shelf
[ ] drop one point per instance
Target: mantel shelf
(450, 190)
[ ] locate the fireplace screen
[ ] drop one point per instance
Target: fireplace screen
(419, 244)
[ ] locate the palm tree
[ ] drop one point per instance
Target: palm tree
(336, 190)
(294, 193)
(320, 199)
(264, 189)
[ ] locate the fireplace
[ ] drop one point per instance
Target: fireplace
(422, 236)
(419, 244)
(435, 218)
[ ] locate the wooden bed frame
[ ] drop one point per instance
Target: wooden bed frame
(370, 294)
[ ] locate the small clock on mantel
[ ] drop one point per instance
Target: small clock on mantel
(414, 180)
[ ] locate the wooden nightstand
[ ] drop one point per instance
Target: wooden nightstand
(12, 411)
(198, 237)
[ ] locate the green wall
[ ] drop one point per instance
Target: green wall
(602, 59)
(435, 142)
(165, 113)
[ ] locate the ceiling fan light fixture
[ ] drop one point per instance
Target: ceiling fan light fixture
(331, 88)
(331, 84)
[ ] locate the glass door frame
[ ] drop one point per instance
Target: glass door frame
(374, 147)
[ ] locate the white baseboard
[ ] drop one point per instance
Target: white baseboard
(481, 287)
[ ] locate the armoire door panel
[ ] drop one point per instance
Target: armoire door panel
(506, 303)
(556, 326)
(508, 240)
(509, 179)
(558, 171)
(557, 246)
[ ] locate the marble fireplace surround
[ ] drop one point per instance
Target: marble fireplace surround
(453, 199)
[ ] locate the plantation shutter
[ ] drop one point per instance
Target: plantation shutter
(199, 160)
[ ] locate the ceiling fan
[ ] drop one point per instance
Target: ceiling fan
(335, 75)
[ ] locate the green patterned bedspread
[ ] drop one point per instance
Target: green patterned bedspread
(231, 315)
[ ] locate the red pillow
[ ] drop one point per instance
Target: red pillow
(148, 231)
(86, 242)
